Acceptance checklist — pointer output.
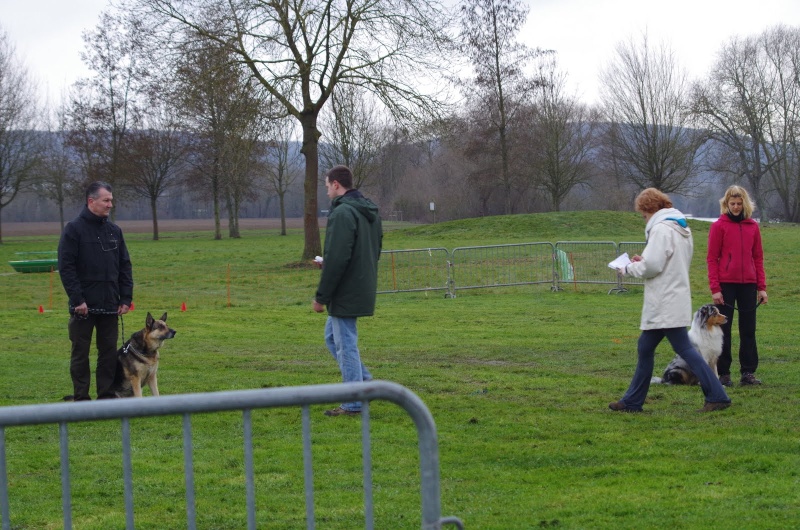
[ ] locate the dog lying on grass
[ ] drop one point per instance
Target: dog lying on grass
(706, 337)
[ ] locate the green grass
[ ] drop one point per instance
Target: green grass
(517, 379)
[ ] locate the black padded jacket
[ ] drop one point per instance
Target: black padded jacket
(94, 264)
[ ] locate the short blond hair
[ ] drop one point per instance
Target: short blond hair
(651, 200)
(737, 192)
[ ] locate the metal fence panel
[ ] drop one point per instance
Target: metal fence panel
(424, 269)
(585, 262)
(406, 270)
(632, 248)
(502, 265)
(244, 400)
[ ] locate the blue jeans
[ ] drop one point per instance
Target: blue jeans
(341, 337)
(679, 340)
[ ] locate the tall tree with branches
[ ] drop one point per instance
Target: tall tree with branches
(356, 133)
(301, 51)
(501, 87)
(282, 166)
(58, 178)
(645, 96)
(104, 106)
(20, 143)
(562, 138)
(222, 107)
(154, 156)
(750, 102)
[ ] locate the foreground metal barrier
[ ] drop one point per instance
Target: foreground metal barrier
(244, 400)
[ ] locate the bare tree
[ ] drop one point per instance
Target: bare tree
(301, 51)
(20, 143)
(782, 48)
(733, 107)
(58, 177)
(750, 102)
(355, 134)
(282, 166)
(154, 156)
(104, 106)
(222, 109)
(501, 87)
(650, 141)
(562, 134)
(241, 165)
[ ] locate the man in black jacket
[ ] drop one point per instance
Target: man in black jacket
(96, 272)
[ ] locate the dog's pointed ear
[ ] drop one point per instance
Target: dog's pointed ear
(149, 321)
(164, 316)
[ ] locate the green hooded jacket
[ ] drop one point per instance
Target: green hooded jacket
(353, 241)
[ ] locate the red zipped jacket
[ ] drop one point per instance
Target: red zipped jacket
(735, 254)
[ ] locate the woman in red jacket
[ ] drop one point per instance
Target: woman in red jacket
(736, 278)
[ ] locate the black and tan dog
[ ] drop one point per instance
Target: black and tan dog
(137, 360)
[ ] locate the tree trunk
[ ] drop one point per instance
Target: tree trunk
(215, 192)
(310, 209)
(233, 218)
(282, 205)
(155, 218)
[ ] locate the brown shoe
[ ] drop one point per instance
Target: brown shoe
(725, 380)
(749, 379)
(620, 406)
(711, 407)
(339, 411)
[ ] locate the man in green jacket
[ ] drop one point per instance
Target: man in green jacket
(349, 279)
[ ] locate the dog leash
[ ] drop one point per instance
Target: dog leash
(739, 310)
(104, 312)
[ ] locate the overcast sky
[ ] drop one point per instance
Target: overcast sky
(584, 33)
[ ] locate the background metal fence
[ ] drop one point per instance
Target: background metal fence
(425, 269)
(632, 248)
(587, 262)
(565, 264)
(185, 405)
(501, 265)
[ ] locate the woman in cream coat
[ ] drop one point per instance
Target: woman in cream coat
(664, 265)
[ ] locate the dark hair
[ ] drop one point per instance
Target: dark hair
(94, 187)
(652, 200)
(342, 175)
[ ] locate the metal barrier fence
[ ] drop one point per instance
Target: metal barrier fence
(588, 262)
(429, 269)
(425, 269)
(632, 248)
(244, 400)
(501, 265)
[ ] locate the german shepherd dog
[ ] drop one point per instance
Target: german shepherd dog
(706, 337)
(137, 360)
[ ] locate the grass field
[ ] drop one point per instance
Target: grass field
(517, 379)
